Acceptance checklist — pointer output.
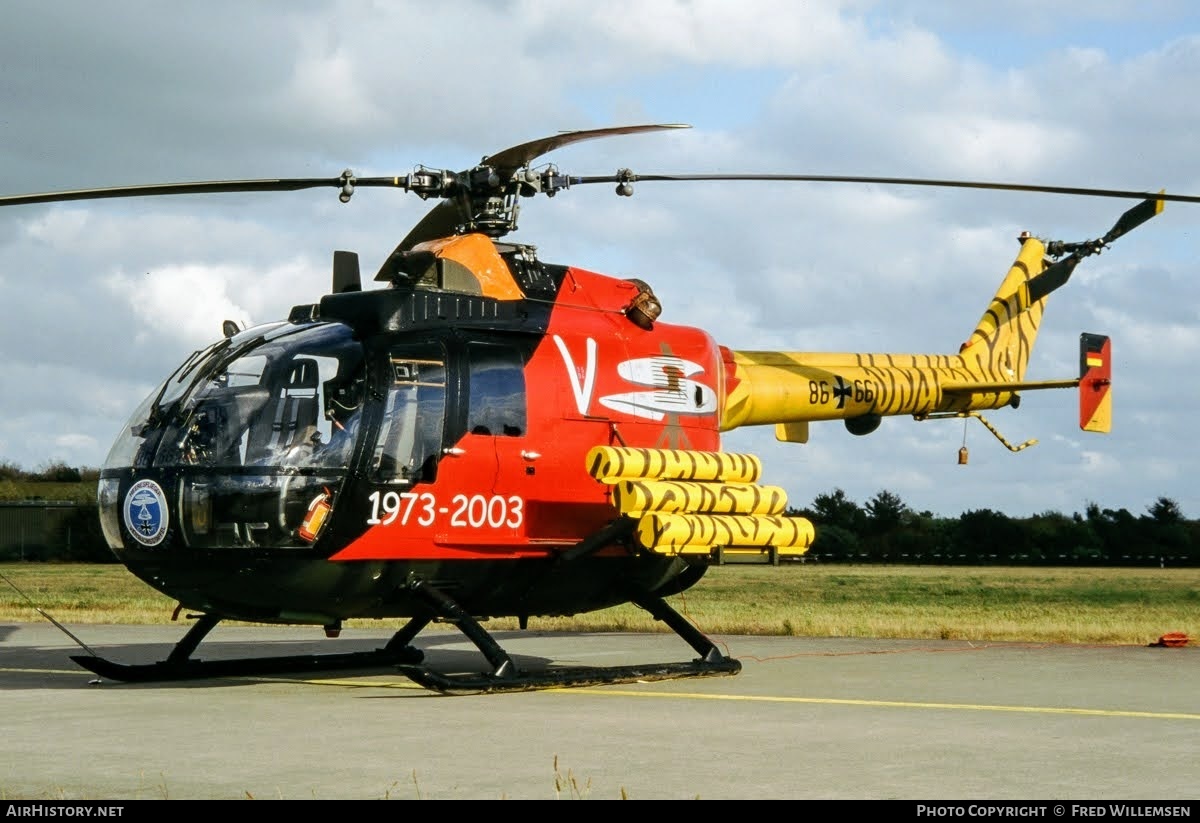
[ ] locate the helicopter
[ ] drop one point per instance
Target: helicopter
(485, 434)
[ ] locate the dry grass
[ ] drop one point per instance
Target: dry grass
(1060, 605)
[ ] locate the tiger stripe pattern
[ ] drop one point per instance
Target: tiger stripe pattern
(787, 387)
(698, 502)
(700, 533)
(637, 497)
(610, 464)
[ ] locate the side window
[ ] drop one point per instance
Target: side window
(497, 390)
(410, 437)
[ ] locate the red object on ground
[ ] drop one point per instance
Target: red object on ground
(1172, 639)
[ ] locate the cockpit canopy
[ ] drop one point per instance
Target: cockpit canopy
(278, 395)
(241, 445)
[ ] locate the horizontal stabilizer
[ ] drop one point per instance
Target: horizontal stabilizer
(998, 387)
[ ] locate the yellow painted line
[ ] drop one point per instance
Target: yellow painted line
(356, 684)
(895, 704)
(601, 690)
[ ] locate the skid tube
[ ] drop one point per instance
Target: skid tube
(505, 676)
(180, 665)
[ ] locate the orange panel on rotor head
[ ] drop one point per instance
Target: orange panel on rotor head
(478, 254)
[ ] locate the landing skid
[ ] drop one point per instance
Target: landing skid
(179, 664)
(506, 677)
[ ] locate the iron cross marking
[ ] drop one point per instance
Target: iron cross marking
(841, 391)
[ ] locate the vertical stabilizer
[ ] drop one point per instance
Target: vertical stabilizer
(1095, 383)
(1002, 341)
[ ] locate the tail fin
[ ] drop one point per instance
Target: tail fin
(1000, 346)
(1095, 383)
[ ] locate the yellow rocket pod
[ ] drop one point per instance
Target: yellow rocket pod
(635, 497)
(612, 463)
(668, 533)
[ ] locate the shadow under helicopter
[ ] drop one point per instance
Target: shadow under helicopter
(28, 666)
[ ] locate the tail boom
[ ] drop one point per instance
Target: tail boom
(797, 387)
(792, 389)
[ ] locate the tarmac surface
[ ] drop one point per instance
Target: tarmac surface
(806, 718)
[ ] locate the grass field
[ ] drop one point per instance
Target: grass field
(1118, 606)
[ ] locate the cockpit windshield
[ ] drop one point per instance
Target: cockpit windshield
(286, 398)
(256, 428)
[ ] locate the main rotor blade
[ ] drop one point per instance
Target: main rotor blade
(519, 156)
(887, 181)
(201, 187)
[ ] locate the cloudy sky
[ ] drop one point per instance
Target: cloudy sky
(100, 300)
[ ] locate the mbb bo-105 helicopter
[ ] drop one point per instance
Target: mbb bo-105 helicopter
(491, 435)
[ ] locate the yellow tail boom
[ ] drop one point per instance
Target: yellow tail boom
(792, 389)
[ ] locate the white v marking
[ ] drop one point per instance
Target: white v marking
(583, 393)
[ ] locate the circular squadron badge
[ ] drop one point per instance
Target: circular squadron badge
(146, 514)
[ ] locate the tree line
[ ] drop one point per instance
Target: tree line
(53, 472)
(883, 530)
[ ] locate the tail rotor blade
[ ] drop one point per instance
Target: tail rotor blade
(1133, 218)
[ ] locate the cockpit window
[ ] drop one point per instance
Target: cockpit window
(497, 390)
(282, 400)
(410, 436)
(174, 386)
(257, 433)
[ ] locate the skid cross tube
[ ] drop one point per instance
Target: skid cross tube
(507, 676)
